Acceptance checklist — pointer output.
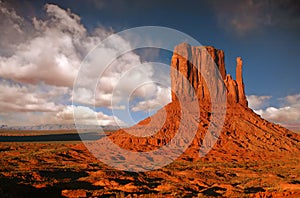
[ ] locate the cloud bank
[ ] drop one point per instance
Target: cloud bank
(288, 111)
(40, 59)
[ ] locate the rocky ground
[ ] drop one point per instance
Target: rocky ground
(69, 170)
(250, 158)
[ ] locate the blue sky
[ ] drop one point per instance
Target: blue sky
(264, 33)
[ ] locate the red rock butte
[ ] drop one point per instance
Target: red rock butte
(244, 134)
(194, 62)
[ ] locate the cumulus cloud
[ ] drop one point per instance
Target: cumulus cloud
(256, 102)
(162, 97)
(288, 112)
(126, 77)
(292, 99)
(27, 118)
(54, 54)
(65, 115)
(248, 15)
(11, 29)
(51, 55)
(20, 98)
(85, 115)
(40, 60)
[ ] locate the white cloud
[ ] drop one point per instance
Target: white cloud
(162, 97)
(27, 118)
(54, 54)
(11, 29)
(85, 115)
(288, 112)
(19, 98)
(292, 99)
(256, 102)
(51, 55)
(65, 20)
(125, 78)
(42, 61)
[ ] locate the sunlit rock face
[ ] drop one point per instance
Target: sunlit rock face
(244, 134)
(202, 66)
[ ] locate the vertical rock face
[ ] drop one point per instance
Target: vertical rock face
(200, 68)
(239, 79)
(232, 90)
(243, 131)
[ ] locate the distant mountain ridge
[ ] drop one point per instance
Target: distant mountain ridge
(59, 127)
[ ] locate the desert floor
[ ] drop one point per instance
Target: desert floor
(67, 169)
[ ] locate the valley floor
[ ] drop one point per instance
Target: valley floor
(66, 169)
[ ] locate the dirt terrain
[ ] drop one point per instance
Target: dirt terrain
(68, 170)
(250, 158)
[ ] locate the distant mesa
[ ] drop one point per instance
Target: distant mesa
(245, 135)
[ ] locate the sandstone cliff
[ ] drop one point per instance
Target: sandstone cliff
(245, 135)
(193, 62)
